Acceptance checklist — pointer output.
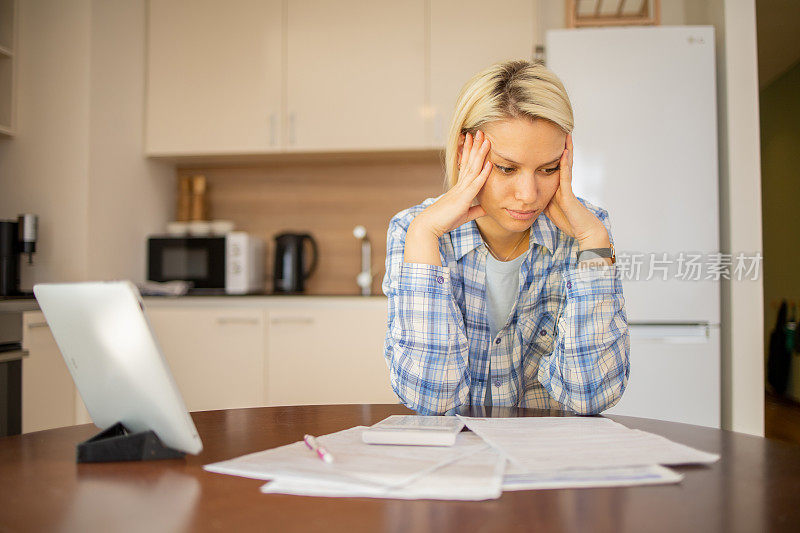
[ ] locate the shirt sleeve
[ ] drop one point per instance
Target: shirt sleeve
(588, 369)
(426, 346)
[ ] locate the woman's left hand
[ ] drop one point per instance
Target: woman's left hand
(569, 214)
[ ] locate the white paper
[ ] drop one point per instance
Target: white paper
(478, 476)
(354, 461)
(516, 478)
(553, 443)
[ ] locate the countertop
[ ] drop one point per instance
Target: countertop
(28, 302)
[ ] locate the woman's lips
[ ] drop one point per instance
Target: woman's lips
(521, 215)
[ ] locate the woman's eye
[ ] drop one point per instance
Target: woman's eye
(549, 171)
(504, 170)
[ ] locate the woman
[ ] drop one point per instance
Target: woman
(503, 290)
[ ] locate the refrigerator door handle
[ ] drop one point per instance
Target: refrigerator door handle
(670, 333)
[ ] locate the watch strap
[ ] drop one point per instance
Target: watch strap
(594, 253)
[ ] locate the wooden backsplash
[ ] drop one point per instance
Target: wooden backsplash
(326, 199)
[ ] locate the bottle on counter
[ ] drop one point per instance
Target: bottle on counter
(184, 208)
(199, 204)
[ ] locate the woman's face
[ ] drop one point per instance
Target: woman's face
(525, 158)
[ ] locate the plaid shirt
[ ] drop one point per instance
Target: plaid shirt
(565, 345)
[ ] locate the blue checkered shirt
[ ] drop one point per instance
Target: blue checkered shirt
(565, 345)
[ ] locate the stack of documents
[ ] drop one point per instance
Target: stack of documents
(497, 454)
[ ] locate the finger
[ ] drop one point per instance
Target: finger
(475, 185)
(481, 162)
(474, 212)
(565, 179)
(566, 166)
(571, 151)
(478, 154)
(466, 149)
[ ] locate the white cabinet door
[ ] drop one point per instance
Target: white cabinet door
(216, 354)
(327, 355)
(466, 37)
(355, 74)
(48, 392)
(214, 76)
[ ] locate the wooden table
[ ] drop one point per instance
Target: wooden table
(754, 487)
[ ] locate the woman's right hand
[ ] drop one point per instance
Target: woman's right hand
(455, 207)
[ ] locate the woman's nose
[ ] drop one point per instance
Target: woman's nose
(526, 190)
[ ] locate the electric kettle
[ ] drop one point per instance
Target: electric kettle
(290, 261)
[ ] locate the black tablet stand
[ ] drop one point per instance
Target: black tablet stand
(117, 443)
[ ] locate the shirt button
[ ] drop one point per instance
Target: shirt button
(440, 279)
(569, 284)
(543, 333)
(497, 341)
(497, 383)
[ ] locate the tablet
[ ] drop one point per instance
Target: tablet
(115, 361)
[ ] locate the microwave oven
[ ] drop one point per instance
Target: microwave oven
(232, 263)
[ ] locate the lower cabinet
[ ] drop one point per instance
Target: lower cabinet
(279, 351)
(328, 355)
(215, 354)
(48, 393)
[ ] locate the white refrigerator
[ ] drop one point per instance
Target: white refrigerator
(644, 101)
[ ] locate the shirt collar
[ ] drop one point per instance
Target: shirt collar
(466, 237)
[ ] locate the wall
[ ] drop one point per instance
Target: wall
(780, 136)
(326, 199)
(130, 196)
(740, 213)
(76, 159)
(44, 168)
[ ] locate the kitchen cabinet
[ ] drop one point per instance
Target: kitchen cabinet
(8, 62)
(355, 75)
(327, 355)
(229, 353)
(48, 393)
(215, 354)
(466, 37)
(214, 76)
(259, 77)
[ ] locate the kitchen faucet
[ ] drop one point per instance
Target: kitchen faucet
(364, 278)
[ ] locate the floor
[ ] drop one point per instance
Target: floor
(781, 418)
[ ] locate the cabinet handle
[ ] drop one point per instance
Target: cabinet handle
(33, 325)
(272, 129)
(15, 355)
(237, 320)
(291, 128)
(292, 320)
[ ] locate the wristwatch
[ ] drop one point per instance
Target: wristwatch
(594, 253)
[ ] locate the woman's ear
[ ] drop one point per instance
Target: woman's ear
(461, 139)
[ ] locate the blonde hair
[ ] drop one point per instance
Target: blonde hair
(510, 89)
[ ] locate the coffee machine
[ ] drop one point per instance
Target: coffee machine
(16, 238)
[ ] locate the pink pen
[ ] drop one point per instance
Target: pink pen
(323, 454)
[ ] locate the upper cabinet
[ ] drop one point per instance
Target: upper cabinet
(466, 37)
(355, 75)
(214, 77)
(8, 55)
(264, 76)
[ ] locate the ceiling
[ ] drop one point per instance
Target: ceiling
(778, 26)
